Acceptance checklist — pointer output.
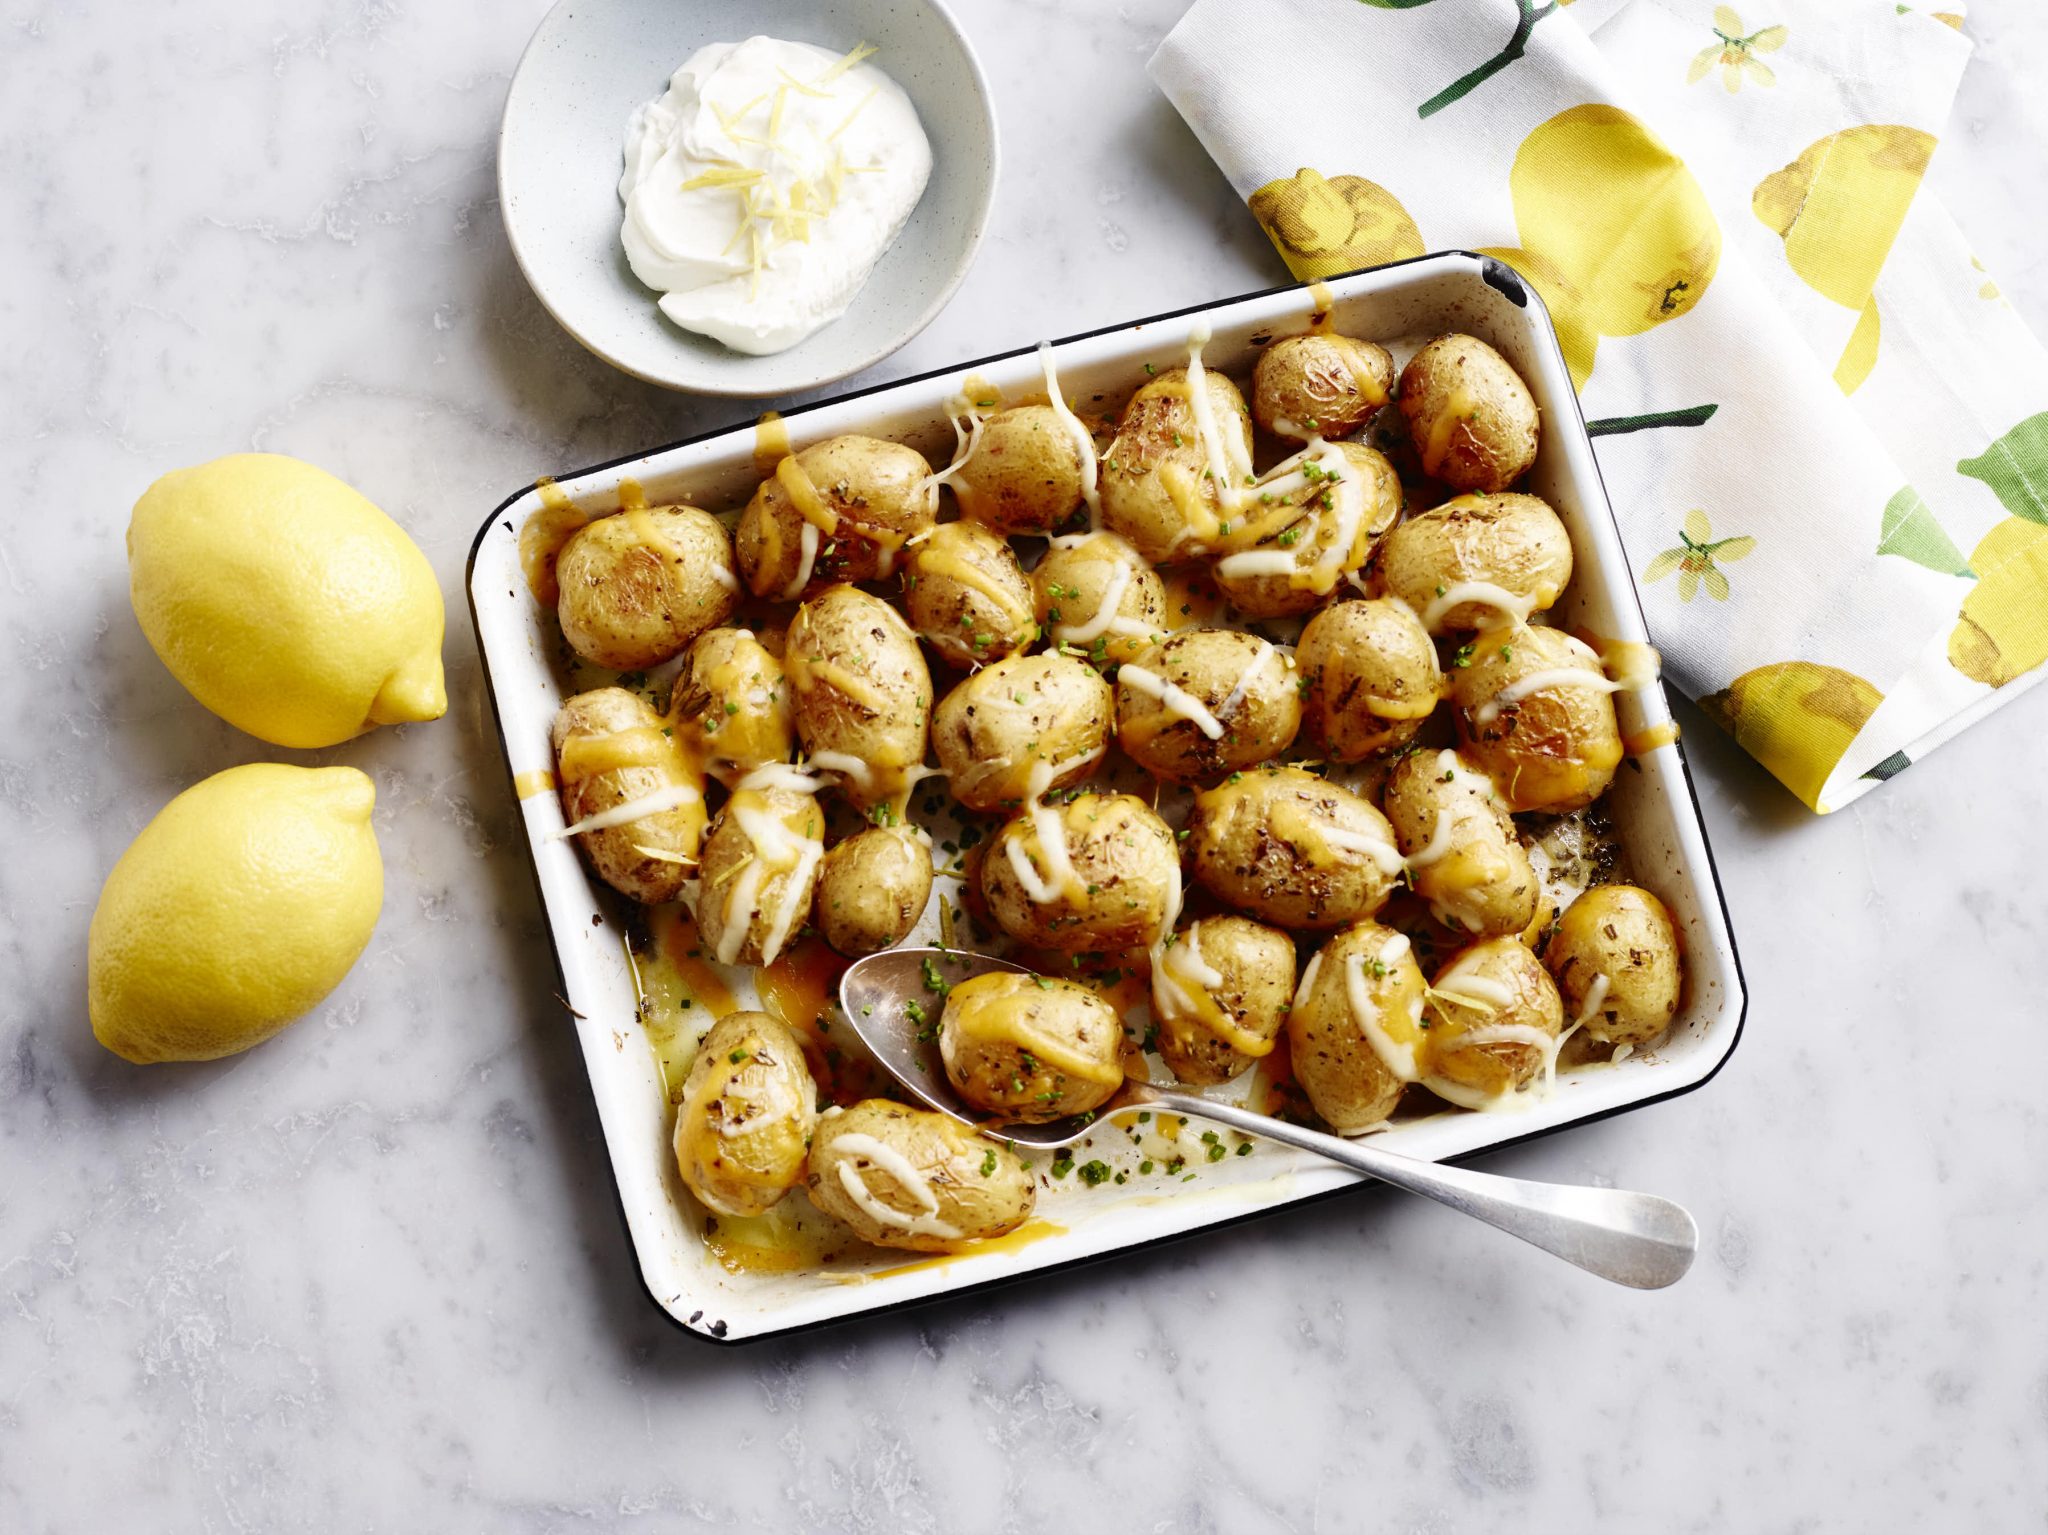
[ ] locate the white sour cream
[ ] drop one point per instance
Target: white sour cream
(761, 189)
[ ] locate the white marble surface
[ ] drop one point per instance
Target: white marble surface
(370, 1277)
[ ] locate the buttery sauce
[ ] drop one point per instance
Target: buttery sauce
(771, 443)
(549, 526)
(1031, 1231)
(533, 781)
(1641, 742)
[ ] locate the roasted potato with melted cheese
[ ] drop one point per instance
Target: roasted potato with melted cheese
(1372, 678)
(1046, 711)
(1095, 872)
(872, 889)
(903, 1177)
(1029, 1048)
(838, 511)
(1205, 702)
(967, 595)
(1464, 856)
(743, 1129)
(1548, 740)
(612, 752)
(1025, 474)
(1159, 483)
(1355, 1034)
(1496, 1019)
(1470, 416)
(1220, 990)
(638, 586)
(759, 871)
(734, 700)
(1098, 596)
(1320, 385)
(863, 694)
(1477, 562)
(1350, 497)
(1623, 935)
(1292, 849)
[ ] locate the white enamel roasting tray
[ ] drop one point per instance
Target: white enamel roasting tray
(1653, 805)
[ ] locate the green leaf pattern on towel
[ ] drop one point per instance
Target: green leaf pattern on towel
(1911, 532)
(2016, 469)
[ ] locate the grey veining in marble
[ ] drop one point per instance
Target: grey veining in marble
(369, 1276)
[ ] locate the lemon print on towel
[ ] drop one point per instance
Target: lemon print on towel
(1838, 207)
(1326, 226)
(1797, 718)
(2002, 631)
(1616, 234)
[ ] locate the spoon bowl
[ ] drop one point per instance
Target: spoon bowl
(895, 1001)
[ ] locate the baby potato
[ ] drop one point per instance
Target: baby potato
(638, 586)
(1099, 595)
(1472, 419)
(734, 700)
(1497, 1019)
(872, 888)
(758, 873)
(744, 1125)
(1099, 872)
(1220, 990)
(1320, 385)
(1293, 849)
(863, 695)
(1030, 1049)
(838, 511)
(1536, 716)
(1372, 678)
(1159, 487)
(1025, 476)
(1355, 1033)
(1205, 702)
(1477, 561)
(1046, 711)
(1293, 567)
(903, 1177)
(1464, 857)
(1622, 936)
(610, 755)
(967, 595)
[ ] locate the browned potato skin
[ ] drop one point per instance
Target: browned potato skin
(1485, 884)
(1334, 1061)
(1025, 477)
(1372, 675)
(734, 699)
(1210, 664)
(1281, 596)
(979, 1042)
(1472, 419)
(1555, 750)
(727, 848)
(950, 1155)
(748, 1173)
(1320, 384)
(1626, 934)
(1158, 430)
(1515, 542)
(1068, 587)
(1504, 1065)
(636, 589)
(1257, 966)
(993, 727)
(881, 493)
(872, 888)
(1127, 866)
(614, 851)
(1284, 874)
(960, 620)
(861, 686)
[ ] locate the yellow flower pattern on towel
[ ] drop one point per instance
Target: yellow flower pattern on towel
(1694, 558)
(1735, 52)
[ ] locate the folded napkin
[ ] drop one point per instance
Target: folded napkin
(1824, 432)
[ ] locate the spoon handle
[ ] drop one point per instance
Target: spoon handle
(1637, 1240)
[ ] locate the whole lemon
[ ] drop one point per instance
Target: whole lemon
(235, 911)
(285, 601)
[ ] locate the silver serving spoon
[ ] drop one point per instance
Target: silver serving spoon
(1633, 1239)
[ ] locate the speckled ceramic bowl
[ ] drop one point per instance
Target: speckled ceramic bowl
(560, 154)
